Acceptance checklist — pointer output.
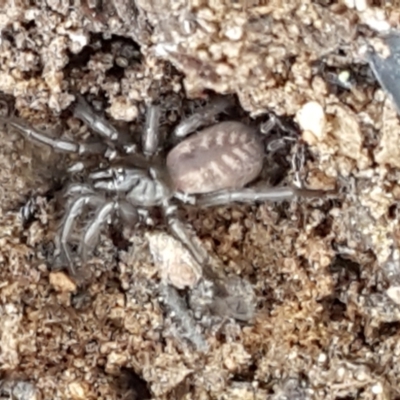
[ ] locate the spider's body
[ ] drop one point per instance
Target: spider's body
(208, 168)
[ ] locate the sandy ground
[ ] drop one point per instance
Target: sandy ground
(323, 273)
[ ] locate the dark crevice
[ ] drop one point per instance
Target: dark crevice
(129, 385)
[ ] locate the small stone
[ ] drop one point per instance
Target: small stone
(375, 18)
(234, 33)
(388, 150)
(114, 361)
(175, 263)
(309, 138)
(235, 356)
(394, 294)
(344, 78)
(78, 41)
(349, 3)
(24, 391)
(311, 117)
(377, 388)
(62, 282)
(77, 390)
(122, 110)
(361, 5)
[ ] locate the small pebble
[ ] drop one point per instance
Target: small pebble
(62, 282)
(311, 117)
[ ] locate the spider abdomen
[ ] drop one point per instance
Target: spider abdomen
(228, 155)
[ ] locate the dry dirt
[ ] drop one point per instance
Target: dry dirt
(325, 272)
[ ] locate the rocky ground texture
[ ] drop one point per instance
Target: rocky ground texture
(325, 272)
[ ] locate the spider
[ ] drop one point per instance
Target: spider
(211, 167)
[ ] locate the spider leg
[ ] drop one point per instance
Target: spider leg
(252, 195)
(96, 122)
(204, 116)
(92, 232)
(231, 304)
(151, 135)
(72, 213)
(177, 305)
(298, 162)
(75, 189)
(179, 230)
(62, 145)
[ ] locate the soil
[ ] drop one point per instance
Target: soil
(322, 274)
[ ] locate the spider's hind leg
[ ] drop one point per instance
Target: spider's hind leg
(246, 195)
(257, 194)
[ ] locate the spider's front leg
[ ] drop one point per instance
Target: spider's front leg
(104, 209)
(124, 210)
(91, 235)
(85, 113)
(61, 145)
(97, 123)
(73, 212)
